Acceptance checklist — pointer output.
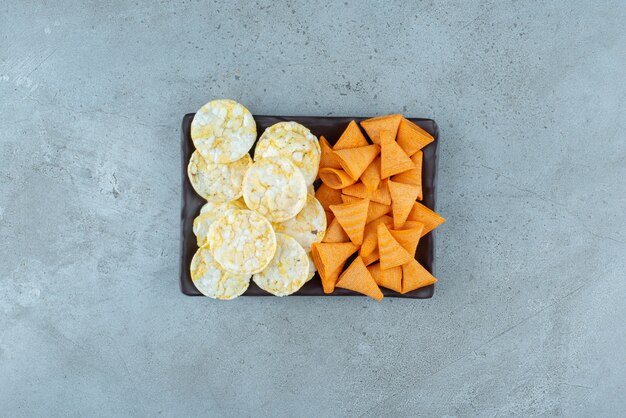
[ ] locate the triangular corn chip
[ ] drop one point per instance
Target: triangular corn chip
(352, 217)
(329, 259)
(374, 270)
(411, 225)
(335, 233)
(352, 137)
(375, 126)
(371, 175)
(370, 235)
(408, 238)
(335, 178)
(374, 211)
(355, 160)
(358, 279)
(392, 254)
(393, 159)
(391, 278)
(402, 198)
(411, 137)
(430, 219)
(372, 258)
(414, 276)
(328, 196)
(414, 175)
(380, 195)
(328, 158)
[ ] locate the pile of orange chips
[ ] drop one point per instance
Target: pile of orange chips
(371, 193)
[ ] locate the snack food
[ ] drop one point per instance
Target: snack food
(393, 159)
(308, 226)
(294, 142)
(329, 259)
(411, 137)
(402, 198)
(354, 161)
(358, 278)
(209, 213)
(217, 182)
(223, 131)
(414, 276)
(287, 271)
(392, 254)
(375, 126)
(275, 188)
(212, 281)
(352, 217)
(242, 241)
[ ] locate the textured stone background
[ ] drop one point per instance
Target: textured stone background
(528, 316)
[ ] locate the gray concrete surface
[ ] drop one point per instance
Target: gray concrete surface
(529, 314)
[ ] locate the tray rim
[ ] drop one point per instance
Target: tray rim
(432, 234)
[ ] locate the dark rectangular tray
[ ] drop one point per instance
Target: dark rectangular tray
(331, 128)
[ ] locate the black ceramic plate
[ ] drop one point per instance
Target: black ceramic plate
(331, 128)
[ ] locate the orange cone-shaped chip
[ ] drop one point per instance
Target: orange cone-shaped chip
(374, 270)
(414, 276)
(408, 238)
(371, 175)
(391, 279)
(375, 126)
(329, 259)
(355, 160)
(374, 211)
(358, 279)
(393, 159)
(372, 258)
(328, 196)
(392, 254)
(414, 175)
(370, 235)
(411, 137)
(352, 217)
(352, 137)
(335, 178)
(380, 195)
(402, 198)
(430, 219)
(335, 233)
(328, 158)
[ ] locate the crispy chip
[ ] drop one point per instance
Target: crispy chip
(375, 126)
(355, 160)
(374, 211)
(358, 279)
(371, 175)
(402, 198)
(335, 233)
(430, 219)
(335, 178)
(328, 158)
(391, 278)
(374, 270)
(411, 137)
(352, 217)
(380, 195)
(414, 175)
(408, 238)
(370, 235)
(392, 254)
(414, 276)
(393, 159)
(329, 259)
(372, 258)
(352, 137)
(328, 196)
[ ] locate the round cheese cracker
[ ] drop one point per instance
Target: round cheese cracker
(275, 188)
(294, 142)
(312, 269)
(212, 281)
(287, 271)
(223, 131)
(308, 226)
(209, 213)
(217, 182)
(242, 241)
